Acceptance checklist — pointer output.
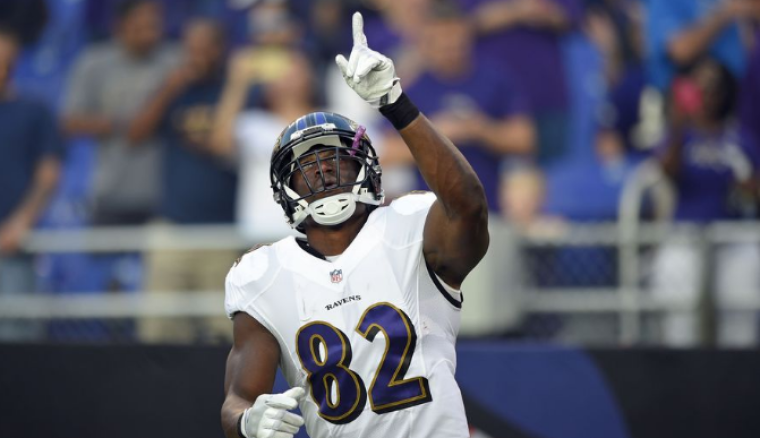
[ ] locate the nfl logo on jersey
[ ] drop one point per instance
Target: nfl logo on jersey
(336, 276)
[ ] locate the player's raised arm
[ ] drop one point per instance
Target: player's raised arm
(249, 411)
(456, 231)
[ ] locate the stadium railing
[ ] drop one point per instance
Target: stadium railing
(587, 283)
(582, 271)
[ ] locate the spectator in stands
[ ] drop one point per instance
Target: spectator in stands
(705, 140)
(107, 87)
(472, 103)
(680, 32)
(615, 29)
(522, 195)
(327, 33)
(255, 74)
(523, 37)
(274, 31)
(396, 29)
(713, 165)
(30, 152)
(245, 135)
(198, 187)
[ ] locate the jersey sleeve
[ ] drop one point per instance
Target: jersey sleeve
(406, 218)
(406, 229)
(246, 281)
(234, 297)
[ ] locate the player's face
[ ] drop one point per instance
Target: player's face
(323, 175)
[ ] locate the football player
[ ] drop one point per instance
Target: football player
(362, 315)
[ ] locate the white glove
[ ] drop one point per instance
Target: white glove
(269, 416)
(370, 74)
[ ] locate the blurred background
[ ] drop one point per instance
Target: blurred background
(617, 140)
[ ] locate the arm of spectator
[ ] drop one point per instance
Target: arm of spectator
(513, 134)
(234, 96)
(670, 157)
(222, 140)
(495, 16)
(690, 43)
(601, 29)
(81, 114)
(17, 226)
(147, 121)
(45, 148)
(87, 125)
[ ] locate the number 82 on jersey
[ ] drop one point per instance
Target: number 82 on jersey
(325, 355)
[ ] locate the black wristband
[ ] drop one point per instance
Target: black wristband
(401, 112)
(240, 425)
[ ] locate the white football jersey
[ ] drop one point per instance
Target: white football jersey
(370, 335)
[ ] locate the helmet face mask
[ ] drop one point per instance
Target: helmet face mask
(310, 169)
(304, 149)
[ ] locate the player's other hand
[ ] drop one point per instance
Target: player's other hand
(269, 416)
(370, 74)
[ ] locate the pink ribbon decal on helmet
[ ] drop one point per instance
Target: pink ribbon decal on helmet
(357, 138)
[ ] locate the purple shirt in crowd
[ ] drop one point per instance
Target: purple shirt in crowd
(533, 56)
(710, 168)
(380, 37)
(483, 88)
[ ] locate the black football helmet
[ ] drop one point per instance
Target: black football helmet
(298, 146)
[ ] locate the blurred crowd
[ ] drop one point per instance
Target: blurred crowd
(161, 112)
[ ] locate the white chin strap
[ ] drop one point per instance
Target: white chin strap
(333, 210)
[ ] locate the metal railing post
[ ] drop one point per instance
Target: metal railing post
(646, 177)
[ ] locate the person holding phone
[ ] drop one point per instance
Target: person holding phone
(713, 165)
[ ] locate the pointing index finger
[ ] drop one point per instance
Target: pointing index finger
(358, 26)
